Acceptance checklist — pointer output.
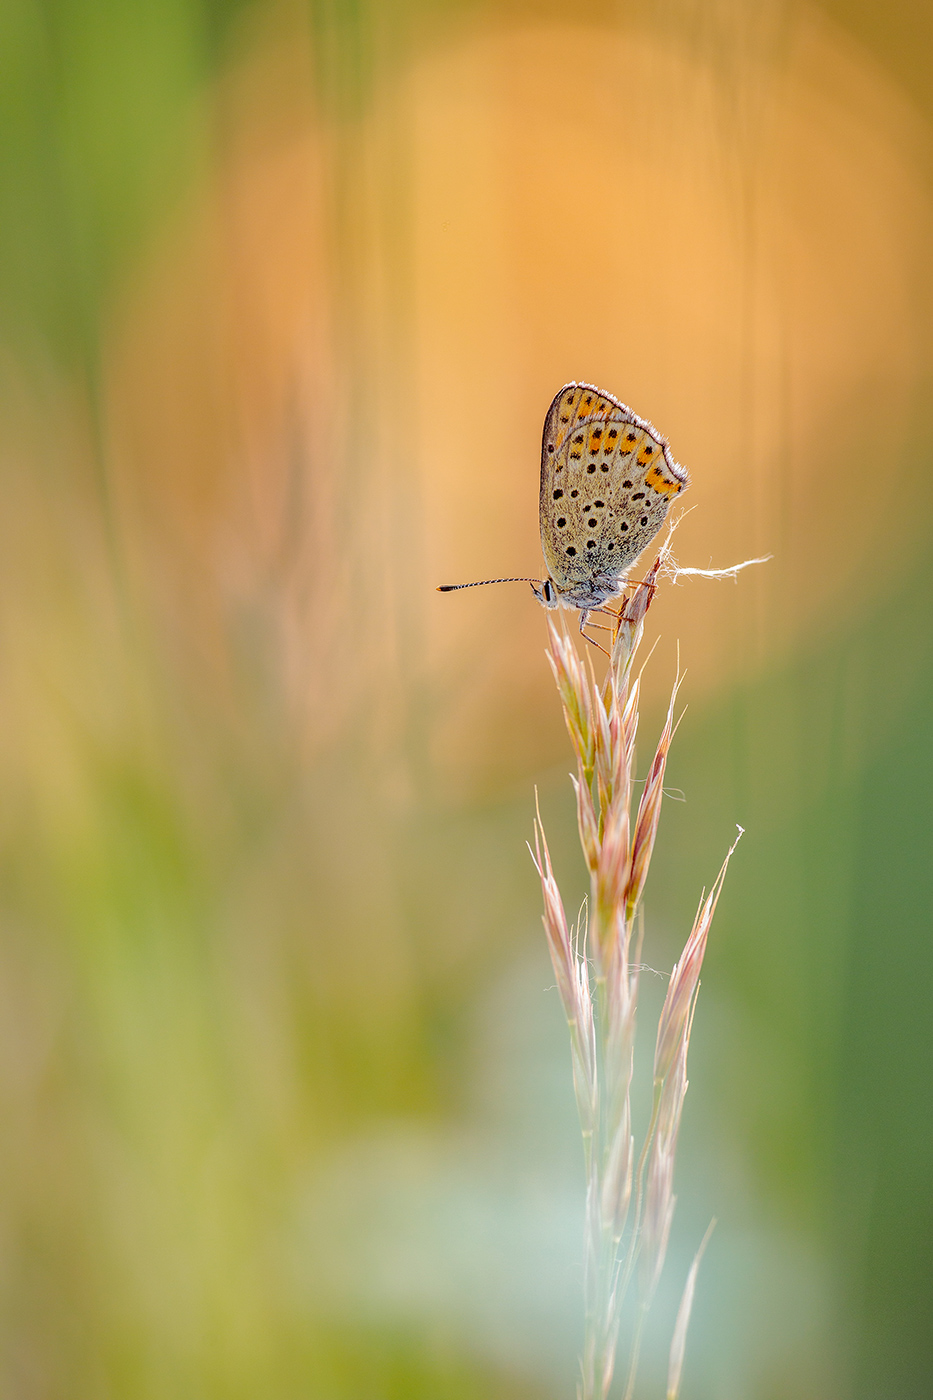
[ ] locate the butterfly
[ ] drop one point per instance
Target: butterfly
(607, 482)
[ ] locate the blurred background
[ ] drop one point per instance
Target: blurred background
(286, 287)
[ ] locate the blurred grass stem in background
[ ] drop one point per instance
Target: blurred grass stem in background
(629, 1207)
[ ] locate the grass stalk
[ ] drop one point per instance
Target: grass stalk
(629, 1199)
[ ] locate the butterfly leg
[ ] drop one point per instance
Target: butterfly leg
(584, 614)
(605, 612)
(640, 583)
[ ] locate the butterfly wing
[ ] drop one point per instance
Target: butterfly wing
(607, 482)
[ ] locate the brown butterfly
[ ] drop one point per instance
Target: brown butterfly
(607, 482)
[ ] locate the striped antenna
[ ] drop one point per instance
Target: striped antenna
(452, 587)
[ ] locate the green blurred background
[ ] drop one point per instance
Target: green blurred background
(286, 287)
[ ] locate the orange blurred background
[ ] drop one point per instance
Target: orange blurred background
(286, 290)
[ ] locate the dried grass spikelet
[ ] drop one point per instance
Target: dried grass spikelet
(629, 1199)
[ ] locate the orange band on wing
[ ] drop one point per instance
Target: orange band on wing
(659, 481)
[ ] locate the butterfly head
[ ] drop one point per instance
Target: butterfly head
(546, 593)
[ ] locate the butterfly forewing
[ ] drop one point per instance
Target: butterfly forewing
(607, 481)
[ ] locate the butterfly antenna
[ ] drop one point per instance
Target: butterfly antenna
(452, 587)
